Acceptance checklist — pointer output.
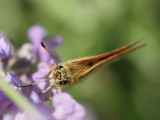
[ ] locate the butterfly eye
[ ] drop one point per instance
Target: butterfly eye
(60, 67)
(61, 83)
(64, 82)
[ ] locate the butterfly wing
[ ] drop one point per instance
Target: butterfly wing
(79, 68)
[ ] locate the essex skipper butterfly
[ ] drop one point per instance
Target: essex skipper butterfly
(65, 74)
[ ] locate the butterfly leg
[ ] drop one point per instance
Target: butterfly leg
(59, 90)
(48, 88)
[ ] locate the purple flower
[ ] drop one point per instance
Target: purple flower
(41, 74)
(27, 52)
(11, 112)
(42, 108)
(52, 44)
(23, 116)
(12, 78)
(67, 108)
(8, 117)
(37, 34)
(5, 49)
(5, 53)
(4, 103)
(24, 60)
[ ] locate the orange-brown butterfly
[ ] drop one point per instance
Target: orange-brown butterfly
(65, 74)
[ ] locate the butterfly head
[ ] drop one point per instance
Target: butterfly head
(59, 76)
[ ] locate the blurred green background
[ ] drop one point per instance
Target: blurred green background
(127, 89)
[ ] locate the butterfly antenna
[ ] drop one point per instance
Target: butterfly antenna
(43, 45)
(32, 84)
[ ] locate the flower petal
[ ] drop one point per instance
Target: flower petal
(41, 74)
(51, 45)
(79, 113)
(36, 34)
(8, 117)
(5, 49)
(46, 58)
(12, 110)
(4, 103)
(54, 42)
(67, 108)
(13, 79)
(27, 52)
(34, 97)
(23, 116)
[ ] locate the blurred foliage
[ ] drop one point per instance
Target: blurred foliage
(125, 90)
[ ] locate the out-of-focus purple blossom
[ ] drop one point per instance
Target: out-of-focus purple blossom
(67, 108)
(44, 56)
(25, 58)
(12, 78)
(38, 89)
(5, 53)
(7, 117)
(34, 97)
(23, 116)
(45, 110)
(11, 112)
(37, 34)
(4, 103)
(53, 43)
(27, 52)
(5, 49)
(41, 74)
(42, 65)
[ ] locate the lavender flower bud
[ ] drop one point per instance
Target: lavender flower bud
(36, 35)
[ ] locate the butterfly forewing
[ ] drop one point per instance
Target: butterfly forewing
(79, 68)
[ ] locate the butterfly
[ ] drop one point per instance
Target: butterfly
(65, 74)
